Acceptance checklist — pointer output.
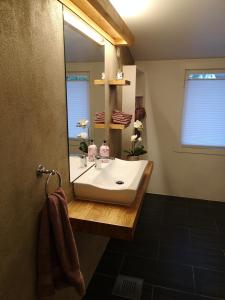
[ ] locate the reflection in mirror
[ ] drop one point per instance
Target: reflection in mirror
(84, 60)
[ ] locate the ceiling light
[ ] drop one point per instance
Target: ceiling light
(129, 8)
(82, 26)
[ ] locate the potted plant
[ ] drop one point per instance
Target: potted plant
(137, 148)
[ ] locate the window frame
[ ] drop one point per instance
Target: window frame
(207, 150)
(74, 142)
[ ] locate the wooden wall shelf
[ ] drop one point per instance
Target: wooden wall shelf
(99, 81)
(113, 82)
(119, 82)
(106, 219)
(111, 126)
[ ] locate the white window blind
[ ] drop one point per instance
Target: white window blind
(77, 102)
(203, 122)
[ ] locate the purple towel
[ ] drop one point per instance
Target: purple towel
(58, 262)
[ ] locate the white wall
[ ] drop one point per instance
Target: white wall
(177, 173)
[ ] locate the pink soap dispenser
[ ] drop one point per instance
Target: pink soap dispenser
(92, 151)
(104, 152)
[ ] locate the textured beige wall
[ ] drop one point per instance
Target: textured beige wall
(182, 174)
(33, 130)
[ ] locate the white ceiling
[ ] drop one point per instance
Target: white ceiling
(178, 29)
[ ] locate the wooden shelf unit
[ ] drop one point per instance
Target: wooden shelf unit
(111, 126)
(107, 219)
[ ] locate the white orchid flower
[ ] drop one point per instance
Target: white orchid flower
(140, 139)
(138, 125)
(133, 138)
(83, 135)
(83, 123)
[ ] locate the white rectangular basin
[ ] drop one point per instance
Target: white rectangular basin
(116, 182)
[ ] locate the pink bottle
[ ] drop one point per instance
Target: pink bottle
(104, 152)
(92, 151)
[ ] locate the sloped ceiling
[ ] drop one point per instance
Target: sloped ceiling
(179, 29)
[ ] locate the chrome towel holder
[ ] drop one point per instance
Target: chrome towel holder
(42, 170)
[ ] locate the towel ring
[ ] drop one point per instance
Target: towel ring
(53, 172)
(42, 170)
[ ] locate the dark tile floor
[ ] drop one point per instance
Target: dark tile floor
(178, 249)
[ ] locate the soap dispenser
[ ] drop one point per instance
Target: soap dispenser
(104, 152)
(92, 151)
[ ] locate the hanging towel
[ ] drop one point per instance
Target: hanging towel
(140, 113)
(58, 262)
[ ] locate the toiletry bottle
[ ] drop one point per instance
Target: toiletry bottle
(104, 152)
(92, 151)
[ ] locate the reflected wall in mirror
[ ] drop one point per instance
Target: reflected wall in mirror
(84, 61)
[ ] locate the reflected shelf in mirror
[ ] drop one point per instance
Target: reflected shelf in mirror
(112, 82)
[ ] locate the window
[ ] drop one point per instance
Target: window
(203, 123)
(77, 102)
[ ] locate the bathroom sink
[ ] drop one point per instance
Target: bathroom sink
(116, 182)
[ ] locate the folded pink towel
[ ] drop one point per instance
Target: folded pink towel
(58, 262)
(99, 117)
(119, 117)
(121, 122)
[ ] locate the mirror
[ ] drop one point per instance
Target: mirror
(84, 61)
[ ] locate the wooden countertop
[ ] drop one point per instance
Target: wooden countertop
(107, 219)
